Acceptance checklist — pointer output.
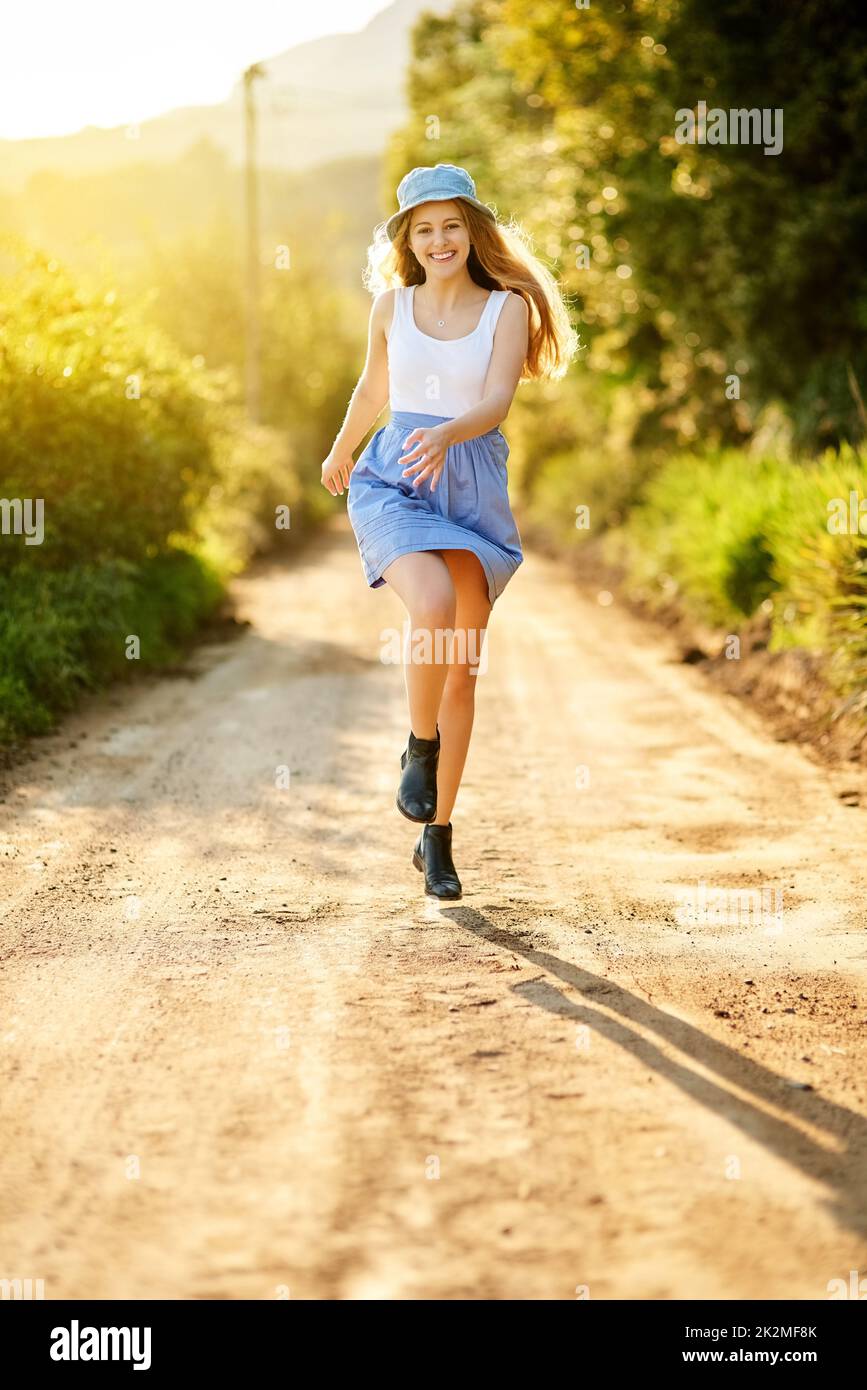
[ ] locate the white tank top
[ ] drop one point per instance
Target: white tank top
(435, 376)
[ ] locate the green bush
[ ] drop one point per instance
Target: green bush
(155, 489)
(63, 631)
(728, 533)
(703, 527)
(101, 417)
(821, 568)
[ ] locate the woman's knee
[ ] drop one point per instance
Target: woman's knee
(460, 686)
(434, 611)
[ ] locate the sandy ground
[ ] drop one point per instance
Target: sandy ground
(244, 1057)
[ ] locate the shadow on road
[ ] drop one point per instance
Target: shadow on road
(842, 1171)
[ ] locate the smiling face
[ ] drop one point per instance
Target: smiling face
(439, 237)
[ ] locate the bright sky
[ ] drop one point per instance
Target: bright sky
(106, 62)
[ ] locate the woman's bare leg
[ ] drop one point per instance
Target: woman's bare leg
(423, 583)
(457, 707)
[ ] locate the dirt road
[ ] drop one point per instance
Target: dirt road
(244, 1057)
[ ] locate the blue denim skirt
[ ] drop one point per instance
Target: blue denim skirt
(469, 510)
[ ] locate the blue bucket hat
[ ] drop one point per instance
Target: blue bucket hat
(434, 184)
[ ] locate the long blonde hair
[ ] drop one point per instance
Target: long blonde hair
(500, 258)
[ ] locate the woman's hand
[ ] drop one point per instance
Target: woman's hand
(336, 470)
(429, 449)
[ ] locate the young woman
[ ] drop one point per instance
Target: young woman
(463, 312)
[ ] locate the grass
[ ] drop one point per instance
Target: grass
(64, 632)
(731, 533)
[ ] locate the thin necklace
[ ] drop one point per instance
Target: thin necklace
(441, 323)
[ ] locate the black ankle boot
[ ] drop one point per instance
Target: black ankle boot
(417, 793)
(433, 856)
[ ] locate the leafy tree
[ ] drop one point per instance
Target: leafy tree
(703, 261)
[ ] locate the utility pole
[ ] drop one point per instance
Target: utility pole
(253, 333)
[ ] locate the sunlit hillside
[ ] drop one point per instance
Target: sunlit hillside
(338, 95)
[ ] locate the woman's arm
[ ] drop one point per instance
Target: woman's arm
(508, 356)
(368, 400)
